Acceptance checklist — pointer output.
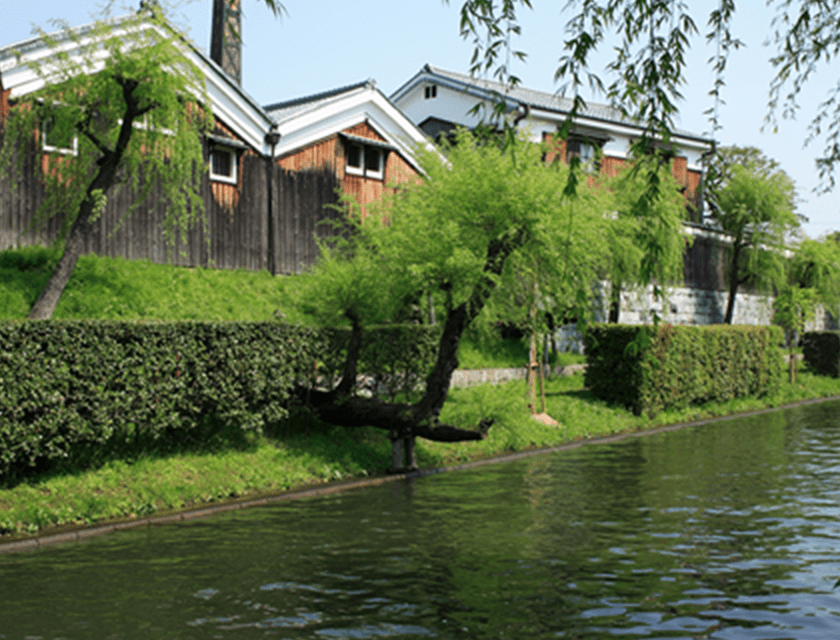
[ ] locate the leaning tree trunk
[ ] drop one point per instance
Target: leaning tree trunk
(93, 202)
(48, 300)
(405, 422)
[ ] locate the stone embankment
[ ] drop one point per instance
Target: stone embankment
(472, 377)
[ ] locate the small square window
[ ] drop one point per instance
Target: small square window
(223, 165)
(66, 142)
(431, 91)
(373, 162)
(586, 151)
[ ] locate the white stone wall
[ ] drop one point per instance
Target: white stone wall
(687, 306)
(694, 307)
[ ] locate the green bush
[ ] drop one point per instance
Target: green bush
(822, 352)
(676, 366)
(96, 386)
(395, 358)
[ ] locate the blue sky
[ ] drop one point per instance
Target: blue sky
(325, 44)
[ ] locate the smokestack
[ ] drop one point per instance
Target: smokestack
(226, 39)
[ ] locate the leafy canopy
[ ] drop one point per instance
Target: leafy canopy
(754, 201)
(646, 241)
(439, 235)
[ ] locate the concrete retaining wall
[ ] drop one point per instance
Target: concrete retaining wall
(472, 377)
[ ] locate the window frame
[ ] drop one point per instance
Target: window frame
(590, 165)
(363, 170)
(49, 148)
(234, 164)
(379, 172)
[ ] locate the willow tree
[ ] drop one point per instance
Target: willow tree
(645, 239)
(754, 202)
(121, 107)
(649, 42)
(813, 278)
(462, 233)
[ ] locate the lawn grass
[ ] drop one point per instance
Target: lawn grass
(504, 353)
(301, 453)
(119, 289)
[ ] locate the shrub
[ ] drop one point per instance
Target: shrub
(675, 366)
(93, 386)
(822, 352)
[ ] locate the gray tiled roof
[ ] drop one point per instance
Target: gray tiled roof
(281, 111)
(540, 99)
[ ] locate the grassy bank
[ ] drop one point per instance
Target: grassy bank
(119, 289)
(298, 454)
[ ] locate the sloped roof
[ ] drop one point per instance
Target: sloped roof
(281, 111)
(306, 120)
(519, 95)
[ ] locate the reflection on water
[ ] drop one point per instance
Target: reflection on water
(727, 531)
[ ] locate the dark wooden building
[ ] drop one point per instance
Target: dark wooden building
(271, 172)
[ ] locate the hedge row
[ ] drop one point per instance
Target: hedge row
(70, 385)
(675, 366)
(822, 352)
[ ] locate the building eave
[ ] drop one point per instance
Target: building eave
(229, 102)
(536, 110)
(331, 117)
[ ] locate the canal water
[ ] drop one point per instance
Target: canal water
(725, 531)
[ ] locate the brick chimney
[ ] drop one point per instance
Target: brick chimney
(226, 38)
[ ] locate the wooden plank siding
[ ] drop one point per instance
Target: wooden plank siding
(325, 154)
(703, 264)
(235, 236)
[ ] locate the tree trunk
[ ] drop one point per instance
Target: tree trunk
(48, 300)
(733, 283)
(404, 422)
(615, 302)
(105, 178)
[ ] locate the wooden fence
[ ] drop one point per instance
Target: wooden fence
(240, 234)
(704, 262)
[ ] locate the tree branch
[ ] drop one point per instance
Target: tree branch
(85, 128)
(97, 142)
(354, 412)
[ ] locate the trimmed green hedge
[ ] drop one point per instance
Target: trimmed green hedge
(680, 365)
(822, 352)
(68, 386)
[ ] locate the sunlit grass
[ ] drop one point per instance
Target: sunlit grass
(119, 289)
(503, 354)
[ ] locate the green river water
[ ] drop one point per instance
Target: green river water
(726, 531)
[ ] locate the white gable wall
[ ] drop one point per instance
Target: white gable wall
(453, 104)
